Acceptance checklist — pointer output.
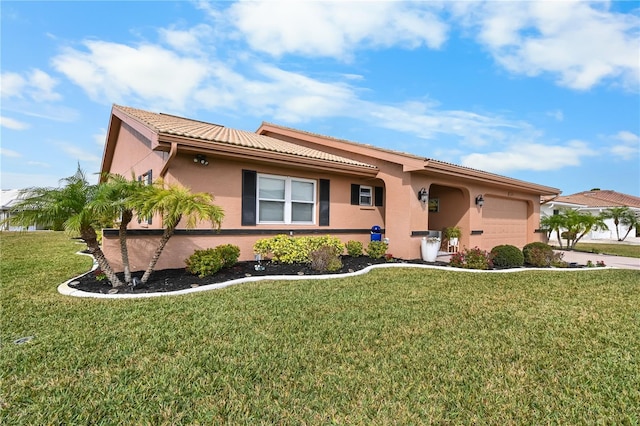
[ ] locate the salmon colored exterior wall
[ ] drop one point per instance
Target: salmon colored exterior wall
(404, 218)
(223, 178)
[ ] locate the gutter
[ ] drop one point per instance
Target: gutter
(172, 154)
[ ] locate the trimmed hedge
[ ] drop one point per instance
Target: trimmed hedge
(507, 256)
(209, 261)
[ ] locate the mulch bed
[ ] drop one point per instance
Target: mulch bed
(168, 280)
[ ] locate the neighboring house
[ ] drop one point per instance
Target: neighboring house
(285, 181)
(8, 198)
(595, 202)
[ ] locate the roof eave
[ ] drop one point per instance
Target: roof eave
(190, 145)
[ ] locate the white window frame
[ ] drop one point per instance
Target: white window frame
(146, 179)
(288, 201)
(361, 195)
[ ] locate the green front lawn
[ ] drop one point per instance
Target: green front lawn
(618, 249)
(395, 346)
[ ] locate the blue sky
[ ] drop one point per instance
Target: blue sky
(546, 92)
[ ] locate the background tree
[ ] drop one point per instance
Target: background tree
(631, 220)
(67, 205)
(113, 200)
(553, 223)
(173, 202)
(578, 224)
(615, 213)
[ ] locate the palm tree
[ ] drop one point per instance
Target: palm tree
(578, 224)
(631, 220)
(174, 202)
(68, 205)
(615, 213)
(553, 223)
(113, 200)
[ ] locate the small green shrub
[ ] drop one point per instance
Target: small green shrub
(354, 248)
(286, 249)
(377, 249)
(507, 256)
(204, 262)
(229, 254)
(538, 254)
(209, 261)
(474, 258)
(325, 259)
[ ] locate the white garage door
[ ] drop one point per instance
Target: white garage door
(504, 221)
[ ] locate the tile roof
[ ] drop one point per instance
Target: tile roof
(165, 124)
(601, 198)
(428, 161)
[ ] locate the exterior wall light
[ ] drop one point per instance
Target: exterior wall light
(479, 201)
(423, 195)
(202, 159)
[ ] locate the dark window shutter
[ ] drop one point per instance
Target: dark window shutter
(378, 196)
(249, 187)
(355, 194)
(324, 202)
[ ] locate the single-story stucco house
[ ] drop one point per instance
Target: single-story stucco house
(280, 180)
(8, 199)
(594, 202)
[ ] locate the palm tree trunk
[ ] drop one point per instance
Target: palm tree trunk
(617, 222)
(156, 255)
(127, 215)
(90, 238)
(559, 237)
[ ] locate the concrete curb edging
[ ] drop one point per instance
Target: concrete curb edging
(66, 290)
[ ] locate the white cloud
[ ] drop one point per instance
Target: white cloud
(12, 124)
(37, 85)
(530, 156)
(115, 72)
(186, 40)
(12, 84)
(100, 138)
(9, 153)
(557, 114)
(41, 87)
(582, 43)
(77, 153)
(428, 121)
(627, 137)
(38, 164)
(335, 29)
(627, 145)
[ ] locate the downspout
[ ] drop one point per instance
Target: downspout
(172, 153)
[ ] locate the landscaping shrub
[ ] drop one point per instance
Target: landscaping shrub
(354, 248)
(286, 249)
(209, 261)
(204, 262)
(229, 254)
(376, 249)
(507, 256)
(325, 259)
(471, 259)
(538, 254)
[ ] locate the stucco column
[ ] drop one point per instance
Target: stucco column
(401, 210)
